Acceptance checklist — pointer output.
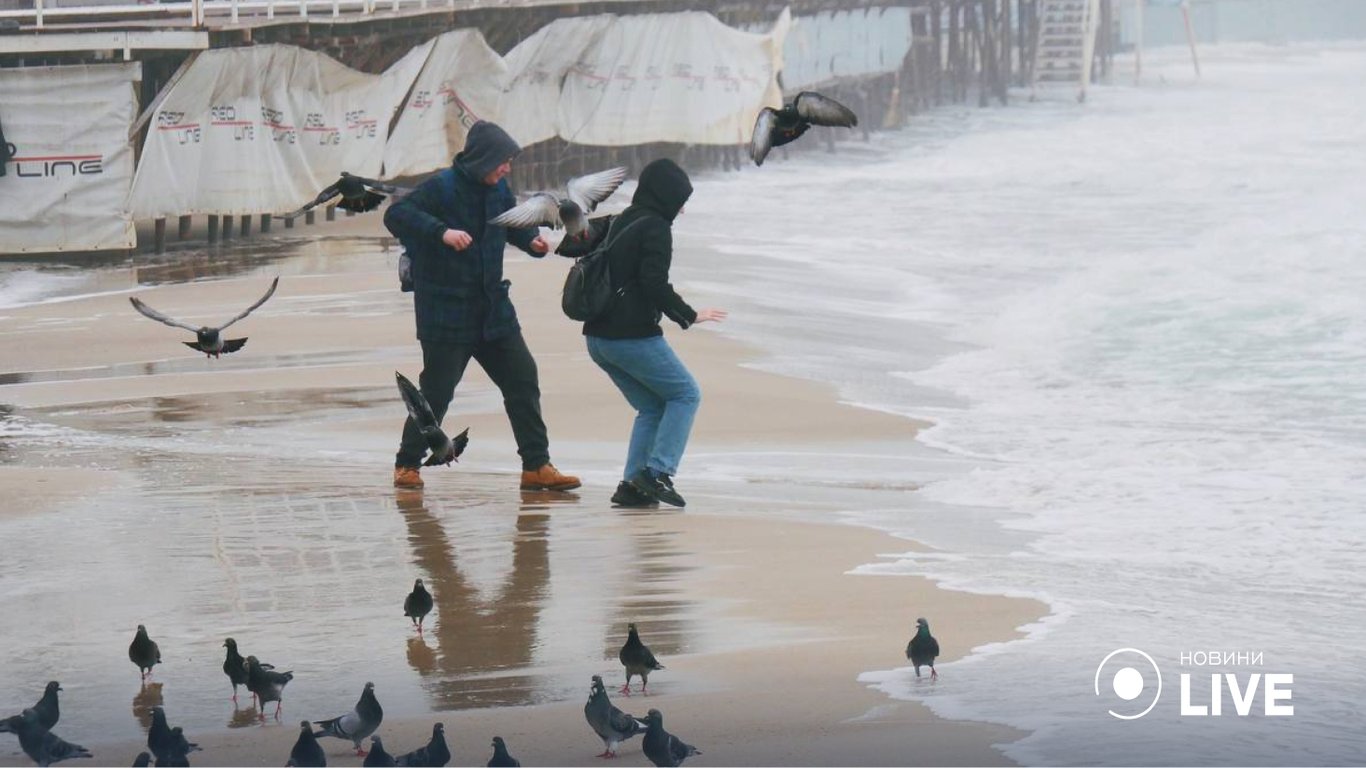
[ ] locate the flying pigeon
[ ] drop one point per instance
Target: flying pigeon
(664, 748)
(583, 193)
(501, 758)
(378, 757)
(143, 760)
(444, 449)
(46, 708)
(267, 684)
(43, 746)
(167, 744)
(357, 724)
(307, 753)
(923, 649)
(417, 604)
(358, 194)
(208, 339)
(638, 660)
(610, 724)
(143, 651)
(436, 754)
(776, 127)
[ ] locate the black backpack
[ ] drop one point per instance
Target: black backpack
(588, 290)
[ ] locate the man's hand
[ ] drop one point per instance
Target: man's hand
(457, 239)
(710, 314)
(540, 245)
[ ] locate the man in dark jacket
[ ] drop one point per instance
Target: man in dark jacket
(461, 299)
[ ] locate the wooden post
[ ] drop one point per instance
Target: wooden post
(331, 213)
(184, 229)
(310, 217)
(244, 223)
(289, 223)
(265, 223)
(213, 229)
(159, 239)
(227, 228)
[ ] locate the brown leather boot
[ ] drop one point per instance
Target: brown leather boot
(547, 478)
(407, 477)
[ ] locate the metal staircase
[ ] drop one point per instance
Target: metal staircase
(1066, 43)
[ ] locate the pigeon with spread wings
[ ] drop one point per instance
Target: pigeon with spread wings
(583, 193)
(444, 449)
(358, 194)
(776, 127)
(208, 340)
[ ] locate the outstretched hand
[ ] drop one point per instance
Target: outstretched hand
(457, 239)
(710, 313)
(540, 244)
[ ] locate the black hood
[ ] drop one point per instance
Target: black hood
(663, 188)
(487, 146)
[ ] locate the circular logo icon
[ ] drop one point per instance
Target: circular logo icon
(1129, 677)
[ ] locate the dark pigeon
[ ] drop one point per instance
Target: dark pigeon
(208, 339)
(776, 127)
(501, 758)
(357, 724)
(544, 209)
(637, 659)
(418, 604)
(143, 651)
(234, 666)
(664, 748)
(143, 760)
(41, 745)
(307, 752)
(378, 757)
(358, 195)
(46, 708)
(267, 684)
(610, 724)
(444, 449)
(923, 649)
(435, 755)
(179, 755)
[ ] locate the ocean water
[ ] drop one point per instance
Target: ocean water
(1138, 328)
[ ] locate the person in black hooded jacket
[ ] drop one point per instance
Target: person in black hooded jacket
(628, 343)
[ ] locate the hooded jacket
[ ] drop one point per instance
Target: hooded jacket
(639, 258)
(460, 297)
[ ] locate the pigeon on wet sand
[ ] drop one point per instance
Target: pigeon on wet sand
(307, 752)
(358, 195)
(501, 758)
(583, 194)
(378, 757)
(41, 745)
(610, 724)
(143, 651)
(235, 667)
(638, 660)
(444, 449)
(776, 127)
(47, 710)
(664, 748)
(266, 684)
(357, 724)
(179, 755)
(417, 604)
(208, 339)
(143, 760)
(434, 755)
(923, 648)
(167, 743)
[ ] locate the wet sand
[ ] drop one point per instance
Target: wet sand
(250, 497)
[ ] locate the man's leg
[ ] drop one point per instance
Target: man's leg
(442, 367)
(510, 366)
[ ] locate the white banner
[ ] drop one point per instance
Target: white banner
(535, 69)
(836, 44)
(66, 188)
(263, 129)
(677, 77)
(460, 85)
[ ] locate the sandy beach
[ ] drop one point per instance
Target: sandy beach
(250, 497)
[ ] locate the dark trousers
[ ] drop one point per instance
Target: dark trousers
(509, 364)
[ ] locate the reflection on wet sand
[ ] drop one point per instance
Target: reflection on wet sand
(244, 718)
(653, 605)
(147, 697)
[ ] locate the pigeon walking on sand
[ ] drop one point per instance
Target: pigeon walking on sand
(178, 756)
(41, 745)
(378, 757)
(923, 649)
(638, 660)
(444, 449)
(46, 709)
(266, 684)
(417, 604)
(143, 760)
(358, 195)
(307, 752)
(357, 724)
(435, 755)
(143, 651)
(235, 667)
(501, 758)
(776, 127)
(167, 744)
(610, 724)
(570, 211)
(208, 339)
(664, 748)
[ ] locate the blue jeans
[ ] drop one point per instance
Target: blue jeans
(664, 394)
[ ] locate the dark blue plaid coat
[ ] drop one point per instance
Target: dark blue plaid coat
(459, 296)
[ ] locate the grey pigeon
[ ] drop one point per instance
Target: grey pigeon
(378, 757)
(418, 604)
(307, 752)
(46, 708)
(923, 649)
(167, 744)
(143, 760)
(582, 195)
(637, 659)
(444, 449)
(179, 754)
(610, 724)
(501, 758)
(234, 666)
(664, 748)
(208, 339)
(41, 745)
(435, 755)
(357, 724)
(776, 127)
(143, 651)
(267, 684)
(358, 194)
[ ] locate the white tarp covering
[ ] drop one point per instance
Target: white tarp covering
(460, 84)
(831, 45)
(66, 188)
(262, 129)
(535, 69)
(676, 77)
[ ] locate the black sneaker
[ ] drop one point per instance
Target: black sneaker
(657, 487)
(628, 496)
